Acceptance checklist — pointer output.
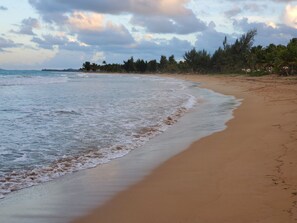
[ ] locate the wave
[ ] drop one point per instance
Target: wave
(67, 112)
(91, 157)
(30, 80)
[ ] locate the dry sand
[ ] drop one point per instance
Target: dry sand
(247, 173)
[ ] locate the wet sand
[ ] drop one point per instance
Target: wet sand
(246, 173)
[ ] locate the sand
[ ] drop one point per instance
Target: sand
(246, 173)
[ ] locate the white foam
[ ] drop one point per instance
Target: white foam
(68, 164)
(31, 80)
(81, 136)
(23, 158)
(191, 102)
(83, 75)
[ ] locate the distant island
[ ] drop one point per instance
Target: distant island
(61, 70)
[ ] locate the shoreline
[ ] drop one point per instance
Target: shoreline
(246, 173)
(74, 195)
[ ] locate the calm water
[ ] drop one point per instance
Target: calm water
(55, 123)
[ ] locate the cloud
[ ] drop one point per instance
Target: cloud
(254, 7)
(258, 1)
(147, 50)
(27, 26)
(3, 8)
(267, 33)
(249, 7)
(87, 29)
(211, 39)
(92, 29)
(66, 59)
(290, 16)
(151, 49)
(86, 21)
(177, 24)
(50, 41)
(284, 0)
(233, 12)
(146, 7)
(111, 35)
(158, 16)
(6, 43)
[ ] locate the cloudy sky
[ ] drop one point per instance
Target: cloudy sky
(38, 34)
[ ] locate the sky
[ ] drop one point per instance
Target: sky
(36, 34)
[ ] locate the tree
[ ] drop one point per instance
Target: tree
(190, 58)
(172, 66)
(218, 60)
(242, 48)
(171, 60)
(163, 63)
(292, 50)
(152, 66)
(225, 43)
(94, 67)
(203, 61)
(87, 66)
(198, 61)
(291, 56)
(229, 58)
(140, 66)
(235, 57)
(129, 65)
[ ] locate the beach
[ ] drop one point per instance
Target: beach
(246, 173)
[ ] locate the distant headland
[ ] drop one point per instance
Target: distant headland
(61, 70)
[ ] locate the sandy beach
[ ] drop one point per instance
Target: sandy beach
(246, 173)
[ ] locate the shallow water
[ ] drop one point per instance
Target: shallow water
(75, 194)
(56, 123)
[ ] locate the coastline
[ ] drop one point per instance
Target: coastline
(246, 173)
(74, 195)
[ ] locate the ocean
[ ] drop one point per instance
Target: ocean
(57, 123)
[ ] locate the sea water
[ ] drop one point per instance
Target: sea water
(56, 123)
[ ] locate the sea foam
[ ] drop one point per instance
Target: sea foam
(69, 122)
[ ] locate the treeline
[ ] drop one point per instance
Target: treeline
(239, 57)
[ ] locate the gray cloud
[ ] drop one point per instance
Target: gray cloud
(281, 34)
(243, 8)
(262, 0)
(117, 43)
(284, 0)
(27, 26)
(50, 41)
(6, 43)
(147, 50)
(107, 6)
(66, 59)
(3, 8)
(46, 7)
(106, 36)
(233, 12)
(211, 39)
(254, 7)
(154, 50)
(95, 41)
(153, 15)
(176, 24)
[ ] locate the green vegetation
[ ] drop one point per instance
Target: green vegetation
(239, 57)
